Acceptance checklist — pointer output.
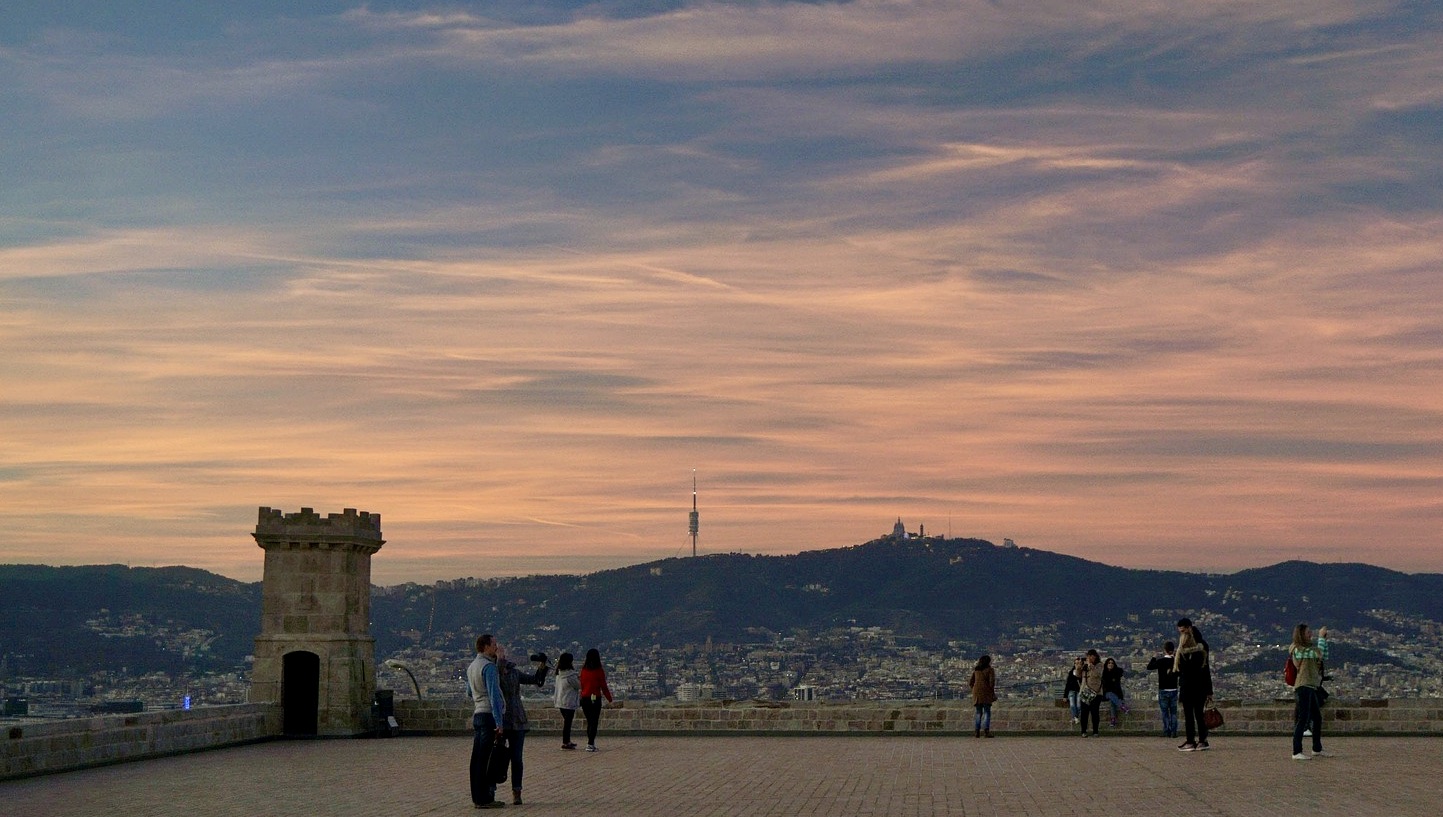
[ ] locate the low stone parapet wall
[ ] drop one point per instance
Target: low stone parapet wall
(1261, 717)
(36, 747)
(41, 747)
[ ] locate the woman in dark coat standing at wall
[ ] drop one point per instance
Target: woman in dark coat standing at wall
(1194, 683)
(1112, 688)
(984, 694)
(1072, 689)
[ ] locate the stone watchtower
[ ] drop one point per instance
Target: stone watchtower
(315, 655)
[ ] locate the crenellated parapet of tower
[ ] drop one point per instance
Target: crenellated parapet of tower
(351, 529)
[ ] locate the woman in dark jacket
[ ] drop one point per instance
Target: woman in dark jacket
(984, 693)
(515, 724)
(1112, 688)
(1072, 688)
(1194, 683)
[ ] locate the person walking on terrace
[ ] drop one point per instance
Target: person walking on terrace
(568, 696)
(1194, 683)
(984, 693)
(1090, 694)
(1308, 656)
(593, 687)
(1166, 688)
(490, 708)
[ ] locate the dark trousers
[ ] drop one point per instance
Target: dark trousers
(1094, 711)
(516, 740)
(1308, 714)
(484, 726)
(591, 708)
(1192, 710)
(566, 717)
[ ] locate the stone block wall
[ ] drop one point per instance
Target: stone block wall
(42, 747)
(38, 747)
(1262, 717)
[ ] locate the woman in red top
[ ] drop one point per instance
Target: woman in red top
(593, 687)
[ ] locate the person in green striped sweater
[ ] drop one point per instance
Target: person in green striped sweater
(1308, 655)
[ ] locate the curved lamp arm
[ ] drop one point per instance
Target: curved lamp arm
(401, 665)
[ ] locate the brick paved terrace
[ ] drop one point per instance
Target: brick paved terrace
(649, 776)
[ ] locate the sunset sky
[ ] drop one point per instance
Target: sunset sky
(1154, 283)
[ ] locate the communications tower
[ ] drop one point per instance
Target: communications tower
(695, 518)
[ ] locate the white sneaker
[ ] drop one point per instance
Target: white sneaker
(590, 748)
(1300, 756)
(1307, 733)
(1321, 753)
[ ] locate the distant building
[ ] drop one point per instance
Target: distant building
(118, 707)
(68, 688)
(804, 692)
(1008, 543)
(899, 531)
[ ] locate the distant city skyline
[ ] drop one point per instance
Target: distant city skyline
(1153, 285)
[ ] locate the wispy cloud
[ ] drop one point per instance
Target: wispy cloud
(713, 40)
(1126, 280)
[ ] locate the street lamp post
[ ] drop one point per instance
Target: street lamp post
(401, 665)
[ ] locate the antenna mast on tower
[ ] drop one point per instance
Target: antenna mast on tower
(695, 518)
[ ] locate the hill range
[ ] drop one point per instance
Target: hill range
(933, 591)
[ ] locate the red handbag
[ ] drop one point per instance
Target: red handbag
(1212, 718)
(1290, 671)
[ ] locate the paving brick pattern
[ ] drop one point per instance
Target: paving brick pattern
(745, 776)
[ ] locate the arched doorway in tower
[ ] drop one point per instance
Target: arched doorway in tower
(300, 692)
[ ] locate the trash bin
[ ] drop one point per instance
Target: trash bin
(383, 713)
